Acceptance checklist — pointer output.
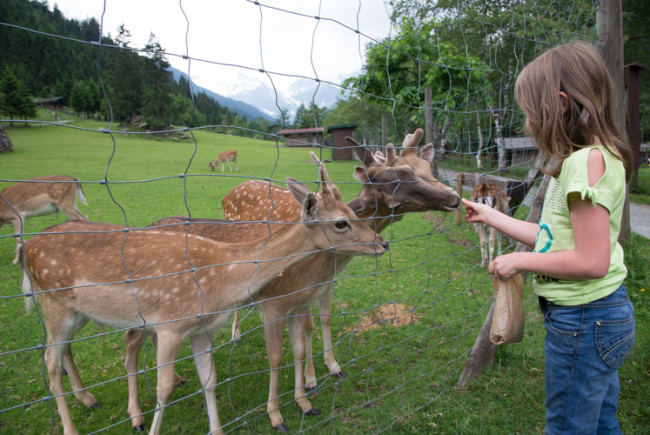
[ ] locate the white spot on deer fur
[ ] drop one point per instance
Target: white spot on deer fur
(53, 262)
(175, 290)
(45, 272)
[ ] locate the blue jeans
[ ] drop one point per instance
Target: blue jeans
(584, 347)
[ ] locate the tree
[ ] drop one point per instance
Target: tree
(157, 86)
(309, 117)
(398, 69)
(124, 79)
(14, 100)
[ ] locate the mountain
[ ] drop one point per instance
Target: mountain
(259, 99)
(243, 109)
(302, 91)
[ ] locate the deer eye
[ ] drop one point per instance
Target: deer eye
(341, 224)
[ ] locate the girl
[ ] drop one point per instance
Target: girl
(577, 262)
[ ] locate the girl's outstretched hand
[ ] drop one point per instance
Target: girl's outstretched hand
(475, 212)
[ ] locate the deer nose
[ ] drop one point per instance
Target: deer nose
(383, 243)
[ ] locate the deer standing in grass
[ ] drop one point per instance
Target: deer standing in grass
(174, 284)
(224, 159)
(39, 196)
(495, 197)
(392, 186)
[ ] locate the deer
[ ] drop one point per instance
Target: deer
(39, 196)
(495, 197)
(225, 158)
(392, 185)
(173, 284)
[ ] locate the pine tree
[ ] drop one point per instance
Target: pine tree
(14, 101)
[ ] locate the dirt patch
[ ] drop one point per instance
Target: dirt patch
(393, 314)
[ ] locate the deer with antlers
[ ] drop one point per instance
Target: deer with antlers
(225, 158)
(392, 186)
(495, 197)
(174, 284)
(39, 196)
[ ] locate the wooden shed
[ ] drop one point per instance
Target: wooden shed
(520, 150)
(340, 148)
(302, 137)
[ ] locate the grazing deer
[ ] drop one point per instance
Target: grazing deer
(491, 195)
(224, 159)
(393, 185)
(174, 284)
(39, 196)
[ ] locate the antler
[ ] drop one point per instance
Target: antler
(411, 142)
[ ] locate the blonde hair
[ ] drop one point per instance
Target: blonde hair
(578, 70)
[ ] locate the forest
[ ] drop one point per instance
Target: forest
(468, 53)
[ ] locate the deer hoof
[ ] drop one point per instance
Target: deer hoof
(282, 427)
(310, 389)
(96, 405)
(140, 428)
(313, 411)
(340, 374)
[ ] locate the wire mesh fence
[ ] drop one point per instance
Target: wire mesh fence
(396, 328)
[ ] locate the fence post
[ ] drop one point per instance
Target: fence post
(459, 190)
(609, 26)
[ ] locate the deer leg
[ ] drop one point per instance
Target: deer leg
(57, 344)
(17, 228)
(491, 243)
(202, 348)
(296, 332)
(235, 330)
(168, 345)
(310, 372)
(480, 229)
(79, 389)
(325, 306)
(133, 340)
(273, 331)
(236, 166)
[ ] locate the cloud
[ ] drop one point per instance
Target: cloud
(230, 41)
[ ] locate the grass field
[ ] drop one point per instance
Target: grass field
(401, 375)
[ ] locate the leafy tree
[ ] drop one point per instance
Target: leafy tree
(14, 100)
(124, 78)
(309, 117)
(157, 86)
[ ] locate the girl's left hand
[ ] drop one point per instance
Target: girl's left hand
(505, 267)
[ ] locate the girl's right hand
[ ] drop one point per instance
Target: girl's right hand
(475, 212)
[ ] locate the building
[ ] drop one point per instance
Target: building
(520, 150)
(340, 148)
(302, 137)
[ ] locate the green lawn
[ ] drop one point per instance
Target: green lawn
(401, 375)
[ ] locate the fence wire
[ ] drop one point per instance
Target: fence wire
(402, 324)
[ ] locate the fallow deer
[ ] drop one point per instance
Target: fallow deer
(175, 284)
(225, 158)
(39, 196)
(493, 196)
(392, 186)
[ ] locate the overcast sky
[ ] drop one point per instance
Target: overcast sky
(243, 34)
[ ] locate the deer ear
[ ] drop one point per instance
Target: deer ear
(360, 175)
(309, 208)
(297, 189)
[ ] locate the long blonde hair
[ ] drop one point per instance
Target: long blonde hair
(578, 70)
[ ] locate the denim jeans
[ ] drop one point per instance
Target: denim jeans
(584, 347)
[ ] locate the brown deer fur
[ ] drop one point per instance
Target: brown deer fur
(492, 195)
(176, 285)
(39, 196)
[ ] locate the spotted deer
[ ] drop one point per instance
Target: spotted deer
(173, 284)
(39, 196)
(393, 185)
(493, 196)
(224, 159)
